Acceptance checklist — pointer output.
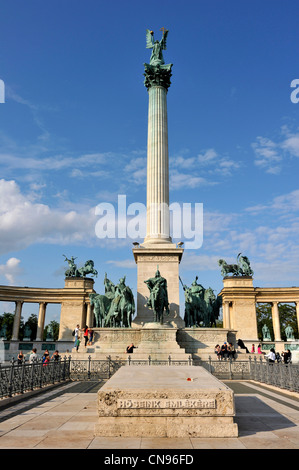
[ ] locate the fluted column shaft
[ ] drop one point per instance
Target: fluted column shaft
(275, 321)
(17, 320)
(158, 229)
(41, 321)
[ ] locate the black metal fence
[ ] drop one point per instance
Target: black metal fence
(19, 378)
(278, 374)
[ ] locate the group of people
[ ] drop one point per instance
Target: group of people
(33, 357)
(227, 350)
(285, 356)
(87, 335)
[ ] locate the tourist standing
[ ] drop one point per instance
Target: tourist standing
(90, 336)
(85, 335)
(33, 356)
(20, 357)
(77, 334)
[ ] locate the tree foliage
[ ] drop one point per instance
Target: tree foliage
(287, 316)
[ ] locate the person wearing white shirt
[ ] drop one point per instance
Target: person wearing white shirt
(271, 355)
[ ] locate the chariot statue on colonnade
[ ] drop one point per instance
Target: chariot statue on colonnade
(241, 268)
(74, 271)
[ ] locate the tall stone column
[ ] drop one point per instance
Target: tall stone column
(17, 320)
(275, 321)
(41, 321)
(158, 227)
(226, 315)
(157, 249)
(89, 316)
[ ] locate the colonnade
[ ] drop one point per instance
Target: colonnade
(73, 298)
(228, 308)
(87, 318)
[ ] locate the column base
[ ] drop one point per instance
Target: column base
(167, 258)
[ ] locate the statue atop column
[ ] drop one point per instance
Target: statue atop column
(241, 268)
(74, 271)
(158, 299)
(157, 73)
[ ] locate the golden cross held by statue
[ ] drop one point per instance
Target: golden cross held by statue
(163, 29)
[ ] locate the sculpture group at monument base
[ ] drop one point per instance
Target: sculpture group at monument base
(157, 341)
(162, 401)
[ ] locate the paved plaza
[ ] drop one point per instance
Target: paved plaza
(64, 418)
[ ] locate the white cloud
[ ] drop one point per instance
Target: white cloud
(11, 270)
(284, 204)
(23, 222)
(269, 155)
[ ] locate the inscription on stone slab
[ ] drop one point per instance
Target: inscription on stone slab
(158, 404)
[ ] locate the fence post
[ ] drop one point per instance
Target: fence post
(89, 364)
(149, 360)
(291, 377)
(109, 365)
(230, 369)
(22, 376)
(169, 360)
(11, 376)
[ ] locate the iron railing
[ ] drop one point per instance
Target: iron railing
(278, 374)
(20, 378)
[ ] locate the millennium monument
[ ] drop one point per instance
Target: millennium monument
(157, 253)
(158, 329)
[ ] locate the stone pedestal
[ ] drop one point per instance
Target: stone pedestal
(74, 306)
(168, 259)
(159, 342)
(160, 401)
(239, 307)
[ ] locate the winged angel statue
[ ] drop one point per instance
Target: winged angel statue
(157, 72)
(157, 46)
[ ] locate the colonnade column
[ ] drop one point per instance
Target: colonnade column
(226, 315)
(17, 320)
(297, 312)
(89, 316)
(275, 321)
(41, 321)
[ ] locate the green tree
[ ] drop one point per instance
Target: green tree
(55, 328)
(287, 316)
(32, 323)
(7, 320)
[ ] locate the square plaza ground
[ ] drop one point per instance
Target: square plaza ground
(64, 418)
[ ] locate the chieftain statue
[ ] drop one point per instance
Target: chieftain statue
(201, 305)
(74, 271)
(158, 298)
(241, 268)
(116, 307)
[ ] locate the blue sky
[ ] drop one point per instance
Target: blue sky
(73, 132)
